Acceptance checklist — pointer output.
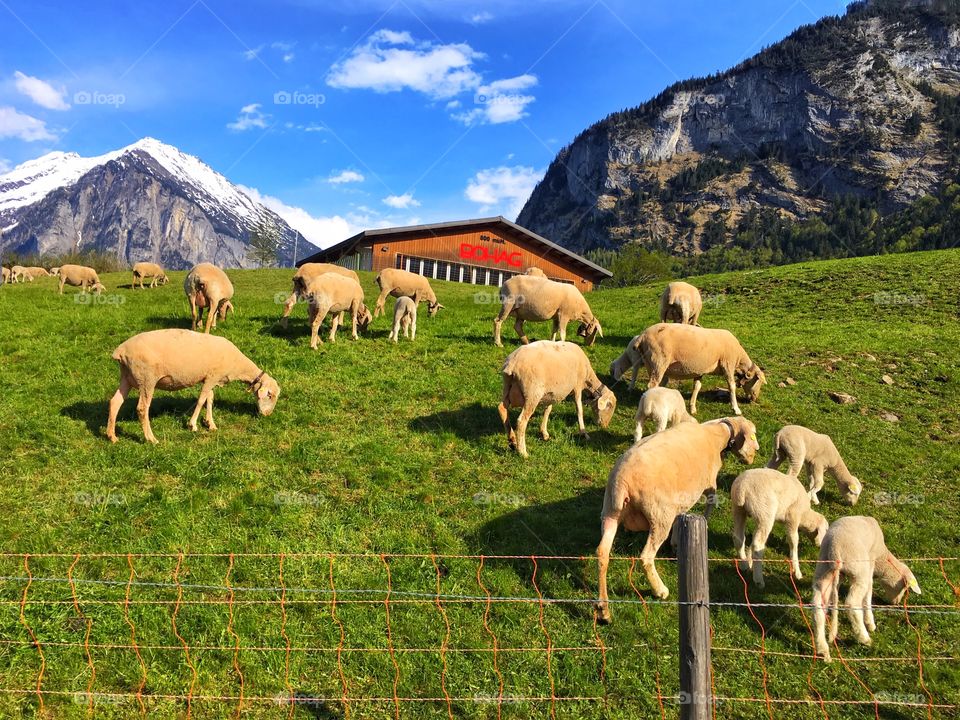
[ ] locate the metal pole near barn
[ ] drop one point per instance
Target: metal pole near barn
(696, 697)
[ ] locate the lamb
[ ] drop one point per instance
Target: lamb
(665, 406)
(769, 496)
(208, 287)
(854, 546)
(80, 276)
(177, 359)
(305, 273)
(405, 316)
(538, 299)
(543, 373)
(150, 270)
(18, 273)
(333, 293)
(660, 478)
(400, 283)
(801, 446)
(681, 303)
(672, 351)
(630, 359)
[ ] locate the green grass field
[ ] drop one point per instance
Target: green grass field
(377, 448)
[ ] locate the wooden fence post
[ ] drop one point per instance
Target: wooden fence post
(696, 697)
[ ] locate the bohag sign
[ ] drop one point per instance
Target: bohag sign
(498, 256)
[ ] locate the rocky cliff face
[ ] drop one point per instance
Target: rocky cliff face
(145, 202)
(843, 107)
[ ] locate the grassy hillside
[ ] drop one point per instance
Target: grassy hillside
(397, 449)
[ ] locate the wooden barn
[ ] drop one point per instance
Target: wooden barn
(485, 251)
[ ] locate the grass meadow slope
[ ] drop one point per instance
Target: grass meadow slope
(377, 448)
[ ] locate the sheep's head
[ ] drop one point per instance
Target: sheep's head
(751, 379)
(364, 318)
(590, 331)
(55, 271)
(896, 579)
(852, 490)
(163, 279)
(267, 391)
(604, 403)
(744, 441)
(432, 308)
(619, 366)
(225, 307)
(98, 287)
(815, 525)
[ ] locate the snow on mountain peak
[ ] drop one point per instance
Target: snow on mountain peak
(33, 180)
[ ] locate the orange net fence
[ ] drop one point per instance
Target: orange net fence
(385, 635)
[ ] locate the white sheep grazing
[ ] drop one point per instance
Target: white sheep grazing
(854, 546)
(543, 373)
(18, 273)
(302, 276)
(770, 497)
(208, 288)
(34, 272)
(528, 297)
(664, 406)
(681, 303)
(332, 293)
(403, 283)
(656, 480)
(177, 359)
(801, 446)
(150, 270)
(682, 352)
(80, 276)
(405, 316)
(630, 360)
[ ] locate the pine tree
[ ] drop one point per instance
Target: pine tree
(264, 244)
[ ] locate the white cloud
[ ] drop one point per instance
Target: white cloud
(390, 61)
(401, 202)
(250, 117)
(14, 124)
(321, 231)
(41, 92)
(479, 18)
(286, 50)
(345, 176)
(453, 105)
(500, 101)
(503, 188)
(252, 53)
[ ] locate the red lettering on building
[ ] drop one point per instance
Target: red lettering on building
(479, 252)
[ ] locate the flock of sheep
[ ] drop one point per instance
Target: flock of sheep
(660, 477)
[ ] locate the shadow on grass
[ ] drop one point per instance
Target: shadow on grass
(470, 422)
(163, 322)
(94, 414)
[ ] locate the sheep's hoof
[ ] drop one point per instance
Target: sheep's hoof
(545, 436)
(153, 441)
(865, 640)
(112, 438)
(738, 411)
(498, 344)
(211, 427)
(603, 616)
(798, 575)
(872, 627)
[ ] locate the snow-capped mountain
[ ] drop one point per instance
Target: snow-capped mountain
(147, 201)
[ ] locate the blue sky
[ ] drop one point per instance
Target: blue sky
(346, 115)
